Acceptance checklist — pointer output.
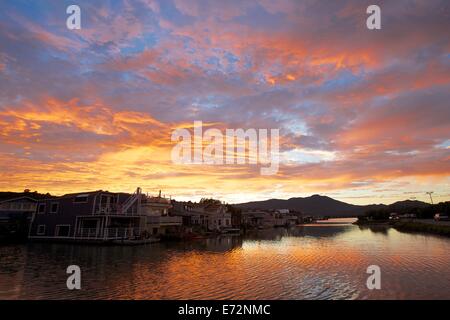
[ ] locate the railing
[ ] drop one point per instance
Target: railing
(88, 233)
(107, 233)
(120, 233)
(131, 200)
(111, 209)
(114, 210)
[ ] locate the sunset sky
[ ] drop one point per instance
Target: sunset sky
(364, 115)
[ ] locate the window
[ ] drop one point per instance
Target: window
(54, 207)
(89, 223)
(62, 230)
(41, 229)
(82, 198)
(41, 208)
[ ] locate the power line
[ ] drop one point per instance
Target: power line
(431, 198)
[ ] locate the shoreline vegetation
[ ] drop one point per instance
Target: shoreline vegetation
(409, 218)
(417, 226)
(410, 225)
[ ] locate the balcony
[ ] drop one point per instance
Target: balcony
(114, 210)
(106, 234)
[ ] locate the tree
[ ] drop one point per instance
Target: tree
(210, 201)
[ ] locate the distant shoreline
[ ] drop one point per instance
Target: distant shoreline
(410, 226)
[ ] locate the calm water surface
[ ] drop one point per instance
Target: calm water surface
(326, 261)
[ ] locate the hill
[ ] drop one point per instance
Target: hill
(318, 205)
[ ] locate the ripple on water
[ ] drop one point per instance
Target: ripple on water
(326, 262)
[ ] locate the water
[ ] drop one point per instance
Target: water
(326, 261)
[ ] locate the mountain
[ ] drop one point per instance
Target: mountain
(317, 205)
(408, 204)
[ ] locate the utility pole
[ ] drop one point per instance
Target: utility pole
(431, 198)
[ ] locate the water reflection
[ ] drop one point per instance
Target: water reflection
(376, 229)
(310, 262)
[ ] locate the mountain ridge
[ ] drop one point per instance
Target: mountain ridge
(317, 205)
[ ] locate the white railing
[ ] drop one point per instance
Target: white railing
(131, 200)
(111, 209)
(121, 233)
(107, 233)
(115, 210)
(88, 233)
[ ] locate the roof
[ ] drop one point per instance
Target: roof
(19, 198)
(158, 200)
(83, 193)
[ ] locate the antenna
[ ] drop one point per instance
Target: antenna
(431, 198)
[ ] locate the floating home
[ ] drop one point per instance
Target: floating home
(102, 216)
(15, 217)
(209, 216)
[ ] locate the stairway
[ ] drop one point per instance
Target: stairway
(136, 196)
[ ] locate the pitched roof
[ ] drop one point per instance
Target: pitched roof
(19, 198)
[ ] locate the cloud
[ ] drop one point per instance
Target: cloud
(356, 109)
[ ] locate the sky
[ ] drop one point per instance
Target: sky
(363, 115)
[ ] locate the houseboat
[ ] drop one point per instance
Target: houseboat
(211, 216)
(15, 218)
(102, 216)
